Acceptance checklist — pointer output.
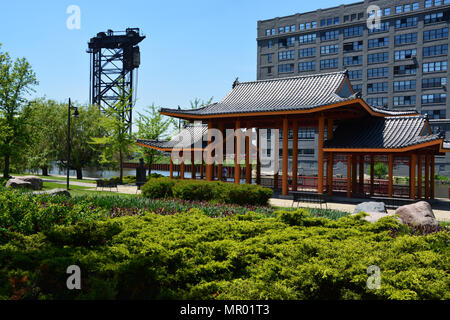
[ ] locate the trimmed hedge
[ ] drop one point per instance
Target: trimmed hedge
(216, 191)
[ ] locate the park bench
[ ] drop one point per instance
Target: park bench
(393, 203)
(106, 184)
(311, 197)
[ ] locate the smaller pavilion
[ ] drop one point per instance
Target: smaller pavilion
(356, 134)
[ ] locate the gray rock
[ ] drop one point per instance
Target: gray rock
(16, 183)
(54, 192)
(417, 214)
(372, 206)
(36, 182)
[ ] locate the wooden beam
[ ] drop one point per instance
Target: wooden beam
(258, 158)
(237, 150)
(220, 165)
(354, 170)
(295, 155)
(432, 177)
(427, 176)
(320, 154)
(284, 187)
(419, 176)
(248, 164)
(361, 174)
(349, 175)
(412, 176)
(171, 168)
(372, 174)
(330, 125)
(391, 176)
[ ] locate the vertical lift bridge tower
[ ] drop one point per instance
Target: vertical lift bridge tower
(114, 57)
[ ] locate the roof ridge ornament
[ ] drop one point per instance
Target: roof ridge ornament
(235, 83)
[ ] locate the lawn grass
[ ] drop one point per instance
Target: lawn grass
(54, 177)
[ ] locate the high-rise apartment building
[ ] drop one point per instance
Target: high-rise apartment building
(396, 54)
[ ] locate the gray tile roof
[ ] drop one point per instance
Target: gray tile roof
(381, 133)
(283, 94)
(196, 132)
(446, 145)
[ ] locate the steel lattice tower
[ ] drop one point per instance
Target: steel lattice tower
(114, 57)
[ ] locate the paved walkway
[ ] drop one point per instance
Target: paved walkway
(442, 213)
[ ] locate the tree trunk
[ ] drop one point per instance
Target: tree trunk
(150, 166)
(6, 171)
(121, 166)
(79, 173)
(45, 171)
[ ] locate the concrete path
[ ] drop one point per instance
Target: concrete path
(441, 214)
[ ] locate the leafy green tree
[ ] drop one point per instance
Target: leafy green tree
(152, 126)
(118, 141)
(380, 170)
(16, 81)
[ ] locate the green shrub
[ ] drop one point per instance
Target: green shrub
(158, 188)
(193, 190)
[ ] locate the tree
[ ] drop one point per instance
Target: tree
(152, 126)
(16, 80)
(194, 104)
(118, 141)
(380, 170)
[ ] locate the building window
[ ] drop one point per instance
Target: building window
(270, 44)
(378, 102)
(330, 35)
(269, 70)
(405, 85)
(293, 28)
(357, 87)
(360, 15)
(405, 70)
(387, 11)
(434, 98)
(306, 133)
(285, 68)
(378, 57)
(406, 22)
(435, 34)
(383, 27)
(407, 8)
(286, 42)
(353, 17)
(377, 72)
(328, 64)
(286, 55)
(353, 32)
(404, 100)
(307, 38)
(355, 74)
(346, 18)
(302, 26)
(406, 38)
(415, 6)
(398, 9)
(281, 30)
(353, 46)
(378, 43)
(434, 114)
(330, 49)
(405, 54)
(433, 17)
(434, 66)
(434, 83)
(428, 3)
(377, 87)
(270, 58)
(435, 50)
(307, 52)
(323, 23)
(355, 60)
(307, 66)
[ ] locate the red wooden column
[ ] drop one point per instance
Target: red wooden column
(284, 187)
(220, 163)
(248, 164)
(171, 168)
(391, 176)
(237, 150)
(372, 174)
(182, 166)
(354, 169)
(330, 158)
(258, 158)
(192, 165)
(432, 177)
(419, 176)
(209, 166)
(295, 155)
(361, 174)
(427, 176)
(412, 179)
(349, 175)
(320, 155)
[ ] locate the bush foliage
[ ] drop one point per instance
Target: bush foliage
(207, 191)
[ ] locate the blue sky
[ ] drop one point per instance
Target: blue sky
(193, 48)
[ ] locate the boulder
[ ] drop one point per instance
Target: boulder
(55, 192)
(417, 214)
(16, 183)
(372, 206)
(36, 182)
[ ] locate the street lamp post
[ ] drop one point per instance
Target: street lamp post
(68, 137)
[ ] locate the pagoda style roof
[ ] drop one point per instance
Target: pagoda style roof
(196, 132)
(300, 93)
(383, 133)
